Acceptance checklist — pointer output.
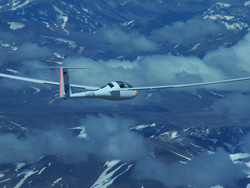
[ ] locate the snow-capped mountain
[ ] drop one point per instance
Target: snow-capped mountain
(233, 17)
(76, 25)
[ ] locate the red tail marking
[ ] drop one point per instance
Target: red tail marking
(60, 82)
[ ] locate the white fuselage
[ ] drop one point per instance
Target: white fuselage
(111, 92)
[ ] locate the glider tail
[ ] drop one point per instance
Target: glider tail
(64, 84)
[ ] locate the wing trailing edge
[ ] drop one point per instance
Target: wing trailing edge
(45, 81)
(187, 85)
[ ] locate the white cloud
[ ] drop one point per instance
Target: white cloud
(234, 60)
(235, 106)
(206, 170)
(111, 138)
(115, 40)
(108, 138)
(147, 71)
(32, 50)
(189, 32)
(55, 141)
(224, 63)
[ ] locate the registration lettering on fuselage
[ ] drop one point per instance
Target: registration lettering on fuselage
(90, 94)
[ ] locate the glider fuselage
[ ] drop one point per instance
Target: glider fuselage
(110, 91)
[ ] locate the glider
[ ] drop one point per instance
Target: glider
(116, 90)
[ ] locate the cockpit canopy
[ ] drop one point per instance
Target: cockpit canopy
(123, 84)
(119, 83)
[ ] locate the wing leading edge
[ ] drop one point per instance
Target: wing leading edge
(124, 89)
(44, 81)
(187, 85)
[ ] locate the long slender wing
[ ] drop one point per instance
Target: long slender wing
(186, 85)
(44, 81)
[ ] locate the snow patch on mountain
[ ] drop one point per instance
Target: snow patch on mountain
(19, 166)
(107, 177)
(239, 156)
(128, 23)
(62, 18)
(83, 133)
(217, 186)
(194, 47)
(225, 14)
(27, 174)
(242, 158)
(15, 4)
(56, 181)
(16, 25)
(216, 94)
(170, 135)
(223, 4)
(235, 26)
(12, 71)
(247, 3)
(8, 46)
(86, 10)
(59, 55)
(219, 17)
(5, 180)
(41, 171)
(47, 25)
(37, 90)
(141, 127)
(71, 43)
(197, 95)
(180, 155)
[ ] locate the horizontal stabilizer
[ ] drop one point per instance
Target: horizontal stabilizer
(44, 67)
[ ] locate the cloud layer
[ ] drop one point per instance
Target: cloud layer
(55, 141)
(189, 32)
(235, 106)
(107, 137)
(126, 42)
(111, 138)
(223, 63)
(29, 50)
(206, 170)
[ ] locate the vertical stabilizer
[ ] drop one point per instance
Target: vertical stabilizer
(64, 85)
